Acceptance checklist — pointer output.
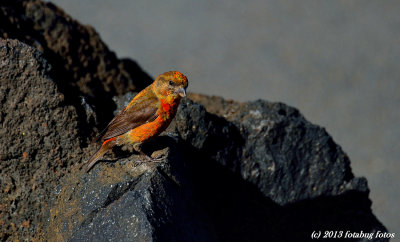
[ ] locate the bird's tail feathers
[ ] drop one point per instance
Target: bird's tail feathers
(100, 152)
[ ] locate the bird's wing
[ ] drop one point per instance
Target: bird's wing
(141, 112)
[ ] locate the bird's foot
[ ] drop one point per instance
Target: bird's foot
(138, 163)
(156, 160)
(147, 159)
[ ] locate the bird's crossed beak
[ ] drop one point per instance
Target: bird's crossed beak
(182, 92)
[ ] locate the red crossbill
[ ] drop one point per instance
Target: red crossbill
(147, 115)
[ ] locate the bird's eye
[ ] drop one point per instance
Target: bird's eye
(171, 83)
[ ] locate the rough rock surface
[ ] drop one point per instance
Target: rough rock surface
(125, 201)
(277, 140)
(294, 165)
(79, 58)
(287, 144)
(249, 178)
(41, 136)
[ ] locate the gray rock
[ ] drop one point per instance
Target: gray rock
(298, 176)
(132, 202)
(41, 136)
(274, 148)
(81, 61)
(266, 174)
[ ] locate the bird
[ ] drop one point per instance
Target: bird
(147, 115)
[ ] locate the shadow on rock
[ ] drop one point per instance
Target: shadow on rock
(240, 212)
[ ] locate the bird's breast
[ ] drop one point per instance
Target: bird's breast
(168, 109)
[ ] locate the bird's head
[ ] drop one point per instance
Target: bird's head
(171, 85)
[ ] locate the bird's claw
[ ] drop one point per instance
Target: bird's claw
(147, 159)
(158, 159)
(138, 163)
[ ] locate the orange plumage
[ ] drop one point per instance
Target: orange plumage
(147, 115)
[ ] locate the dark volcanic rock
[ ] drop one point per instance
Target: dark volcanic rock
(81, 61)
(40, 139)
(288, 158)
(282, 154)
(299, 177)
(264, 174)
(131, 202)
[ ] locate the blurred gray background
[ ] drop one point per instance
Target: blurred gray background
(336, 61)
